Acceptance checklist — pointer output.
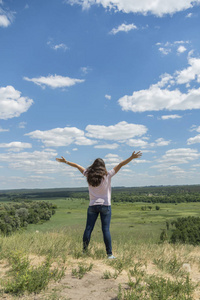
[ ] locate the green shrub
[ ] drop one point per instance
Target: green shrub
(107, 275)
(187, 231)
(81, 271)
(157, 288)
(170, 265)
(26, 278)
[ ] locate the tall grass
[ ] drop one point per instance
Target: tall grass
(56, 244)
(69, 242)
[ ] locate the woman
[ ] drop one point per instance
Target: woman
(99, 184)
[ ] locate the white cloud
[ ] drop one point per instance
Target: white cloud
(110, 155)
(123, 28)
(86, 70)
(12, 104)
(58, 137)
(166, 48)
(126, 170)
(22, 124)
(15, 146)
(175, 170)
(174, 157)
(137, 143)
(195, 128)
(160, 143)
(112, 160)
(140, 161)
(4, 130)
(83, 141)
(6, 17)
(166, 79)
(54, 81)
(148, 151)
(190, 73)
(158, 8)
(54, 46)
(196, 165)
(107, 146)
(160, 96)
(181, 42)
(60, 46)
(39, 162)
(4, 21)
(194, 140)
(181, 49)
(39, 177)
(155, 99)
(167, 117)
(179, 156)
(30, 181)
(108, 97)
(120, 131)
(164, 51)
(189, 15)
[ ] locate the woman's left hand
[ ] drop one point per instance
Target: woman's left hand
(63, 160)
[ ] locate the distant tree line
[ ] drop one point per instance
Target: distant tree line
(149, 194)
(187, 231)
(14, 216)
(150, 198)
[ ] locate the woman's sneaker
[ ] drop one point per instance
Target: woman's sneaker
(110, 256)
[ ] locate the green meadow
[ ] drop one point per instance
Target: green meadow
(129, 220)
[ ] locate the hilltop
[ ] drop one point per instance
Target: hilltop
(143, 271)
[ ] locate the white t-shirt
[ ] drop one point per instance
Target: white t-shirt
(101, 195)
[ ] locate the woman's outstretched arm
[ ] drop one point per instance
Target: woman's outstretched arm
(63, 160)
(126, 161)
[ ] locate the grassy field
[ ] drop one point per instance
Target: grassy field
(144, 269)
(129, 221)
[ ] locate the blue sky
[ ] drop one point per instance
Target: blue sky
(87, 79)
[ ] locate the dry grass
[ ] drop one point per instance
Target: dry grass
(160, 260)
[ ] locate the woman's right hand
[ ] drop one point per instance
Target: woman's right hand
(137, 154)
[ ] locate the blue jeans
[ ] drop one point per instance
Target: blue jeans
(92, 215)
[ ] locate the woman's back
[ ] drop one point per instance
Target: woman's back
(101, 194)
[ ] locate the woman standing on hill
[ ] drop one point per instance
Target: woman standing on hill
(99, 184)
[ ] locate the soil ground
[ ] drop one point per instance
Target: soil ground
(92, 285)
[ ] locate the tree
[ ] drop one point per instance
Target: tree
(22, 213)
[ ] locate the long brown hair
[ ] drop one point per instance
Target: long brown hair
(96, 172)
